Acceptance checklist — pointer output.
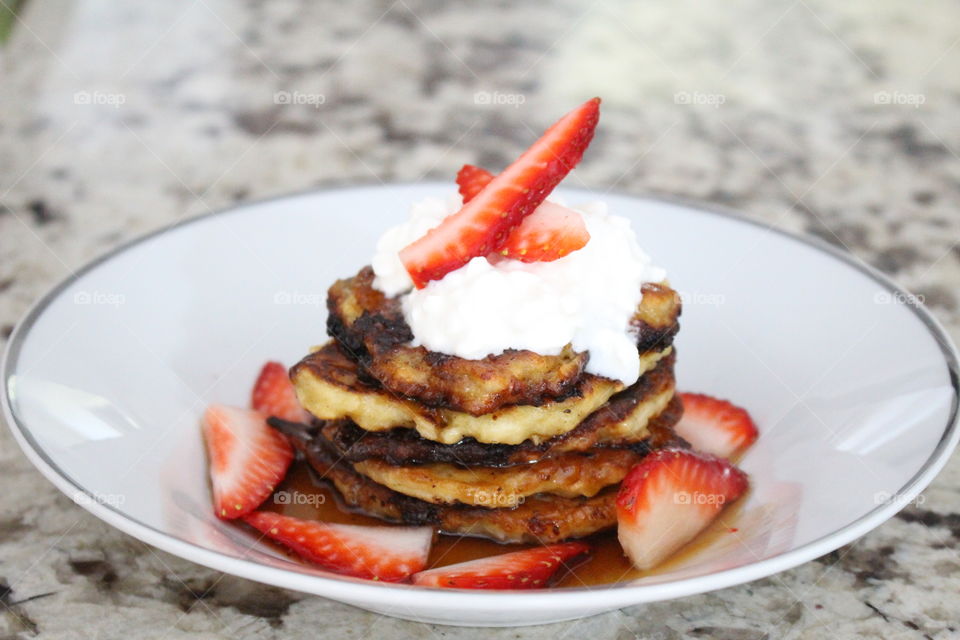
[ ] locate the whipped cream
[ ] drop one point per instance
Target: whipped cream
(585, 299)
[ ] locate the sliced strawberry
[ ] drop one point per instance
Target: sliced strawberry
(527, 569)
(273, 395)
(715, 426)
(481, 226)
(471, 180)
(390, 554)
(247, 458)
(670, 497)
(550, 232)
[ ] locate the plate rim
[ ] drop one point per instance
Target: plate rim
(604, 597)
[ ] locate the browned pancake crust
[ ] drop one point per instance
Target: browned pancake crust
(406, 447)
(371, 327)
(539, 519)
(331, 386)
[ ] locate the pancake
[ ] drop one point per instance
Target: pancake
(371, 328)
(539, 519)
(569, 475)
(637, 414)
(330, 386)
(405, 447)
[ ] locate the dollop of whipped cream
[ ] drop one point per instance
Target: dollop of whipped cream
(585, 299)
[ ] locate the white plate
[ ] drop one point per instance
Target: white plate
(853, 387)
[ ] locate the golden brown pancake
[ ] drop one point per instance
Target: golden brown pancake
(330, 386)
(621, 422)
(371, 328)
(569, 475)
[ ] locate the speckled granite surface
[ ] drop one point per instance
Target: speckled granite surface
(119, 118)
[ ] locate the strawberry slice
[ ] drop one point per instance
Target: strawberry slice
(247, 458)
(273, 395)
(670, 497)
(390, 554)
(481, 226)
(715, 426)
(550, 232)
(527, 569)
(471, 180)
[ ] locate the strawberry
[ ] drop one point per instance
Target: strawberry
(550, 232)
(390, 554)
(482, 225)
(471, 180)
(670, 497)
(527, 569)
(273, 395)
(715, 426)
(247, 458)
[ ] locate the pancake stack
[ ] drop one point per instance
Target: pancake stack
(517, 447)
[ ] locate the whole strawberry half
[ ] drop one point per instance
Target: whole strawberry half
(248, 458)
(383, 553)
(715, 426)
(670, 497)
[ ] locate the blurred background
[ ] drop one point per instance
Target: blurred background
(838, 120)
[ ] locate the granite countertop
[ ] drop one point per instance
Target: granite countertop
(118, 118)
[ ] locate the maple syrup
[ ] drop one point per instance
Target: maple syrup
(301, 496)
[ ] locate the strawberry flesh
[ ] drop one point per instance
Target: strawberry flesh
(390, 554)
(274, 396)
(482, 225)
(670, 497)
(715, 426)
(527, 569)
(550, 232)
(248, 459)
